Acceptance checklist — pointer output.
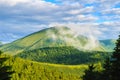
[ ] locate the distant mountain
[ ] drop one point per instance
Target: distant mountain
(0, 43)
(108, 44)
(52, 37)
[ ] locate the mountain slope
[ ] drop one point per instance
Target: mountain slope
(29, 70)
(52, 37)
(63, 55)
(0, 43)
(108, 44)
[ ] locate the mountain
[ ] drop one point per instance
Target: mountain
(52, 37)
(0, 43)
(108, 44)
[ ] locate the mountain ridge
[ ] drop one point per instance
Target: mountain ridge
(52, 37)
(109, 44)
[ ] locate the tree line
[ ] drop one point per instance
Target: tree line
(63, 55)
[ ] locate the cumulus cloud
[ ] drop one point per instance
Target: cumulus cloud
(112, 11)
(12, 2)
(43, 12)
(94, 17)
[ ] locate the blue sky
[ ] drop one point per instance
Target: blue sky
(99, 18)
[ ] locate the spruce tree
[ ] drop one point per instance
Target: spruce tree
(106, 73)
(5, 73)
(91, 74)
(115, 67)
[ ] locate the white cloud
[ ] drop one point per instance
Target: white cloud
(112, 11)
(45, 12)
(13, 2)
(89, 29)
(81, 11)
(26, 16)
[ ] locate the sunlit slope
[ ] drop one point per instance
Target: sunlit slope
(28, 70)
(52, 37)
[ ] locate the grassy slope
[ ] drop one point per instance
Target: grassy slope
(51, 37)
(29, 70)
(23, 43)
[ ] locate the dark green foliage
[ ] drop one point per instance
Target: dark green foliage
(63, 55)
(106, 73)
(109, 71)
(115, 67)
(111, 66)
(91, 73)
(5, 73)
(29, 70)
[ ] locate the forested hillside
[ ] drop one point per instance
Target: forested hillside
(28, 70)
(64, 55)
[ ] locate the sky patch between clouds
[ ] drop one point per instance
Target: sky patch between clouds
(22, 17)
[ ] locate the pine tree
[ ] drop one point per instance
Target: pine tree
(91, 74)
(106, 73)
(5, 73)
(115, 67)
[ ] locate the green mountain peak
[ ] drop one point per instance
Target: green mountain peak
(52, 37)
